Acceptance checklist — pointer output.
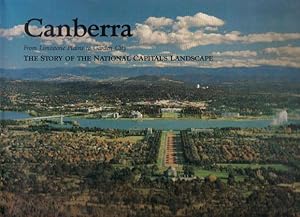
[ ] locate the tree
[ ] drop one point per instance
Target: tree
(231, 179)
(188, 170)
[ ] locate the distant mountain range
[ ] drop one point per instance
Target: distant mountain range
(186, 74)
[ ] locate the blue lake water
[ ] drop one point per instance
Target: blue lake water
(9, 115)
(170, 124)
(156, 124)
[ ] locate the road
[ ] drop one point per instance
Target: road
(173, 150)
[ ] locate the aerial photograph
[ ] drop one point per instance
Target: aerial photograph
(161, 108)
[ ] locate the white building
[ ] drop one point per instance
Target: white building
(94, 109)
(136, 114)
(114, 115)
(170, 110)
(231, 115)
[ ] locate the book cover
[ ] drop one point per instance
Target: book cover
(163, 108)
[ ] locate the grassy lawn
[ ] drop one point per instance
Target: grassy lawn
(170, 115)
(294, 186)
(201, 173)
(161, 153)
(279, 167)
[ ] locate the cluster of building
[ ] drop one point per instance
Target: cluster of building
(173, 104)
(136, 114)
(230, 115)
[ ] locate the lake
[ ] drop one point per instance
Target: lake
(10, 115)
(156, 123)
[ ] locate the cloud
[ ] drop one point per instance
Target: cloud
(269, 37)
(211, 29)
(244, 53)
(232, 59)
(145, 47)
(284, 57)
(18, 31)
(156, 22)
(198, 20)
(119, 53)
(228, 63)
(187, 32)
(12, 32)
(281, 61)
(165, 52)
(205, 31)
(255, 62)
(148, 36)
(177, 64)
(82, 65)
(284, 51)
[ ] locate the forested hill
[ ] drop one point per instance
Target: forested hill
(186, 74)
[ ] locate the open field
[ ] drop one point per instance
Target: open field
(293, 186)
(279, 167)
(201, 173)
(161, 153)
(170, 115)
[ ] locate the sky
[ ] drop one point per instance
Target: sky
(236, 33)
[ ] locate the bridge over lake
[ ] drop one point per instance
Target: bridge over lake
(60, 117)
